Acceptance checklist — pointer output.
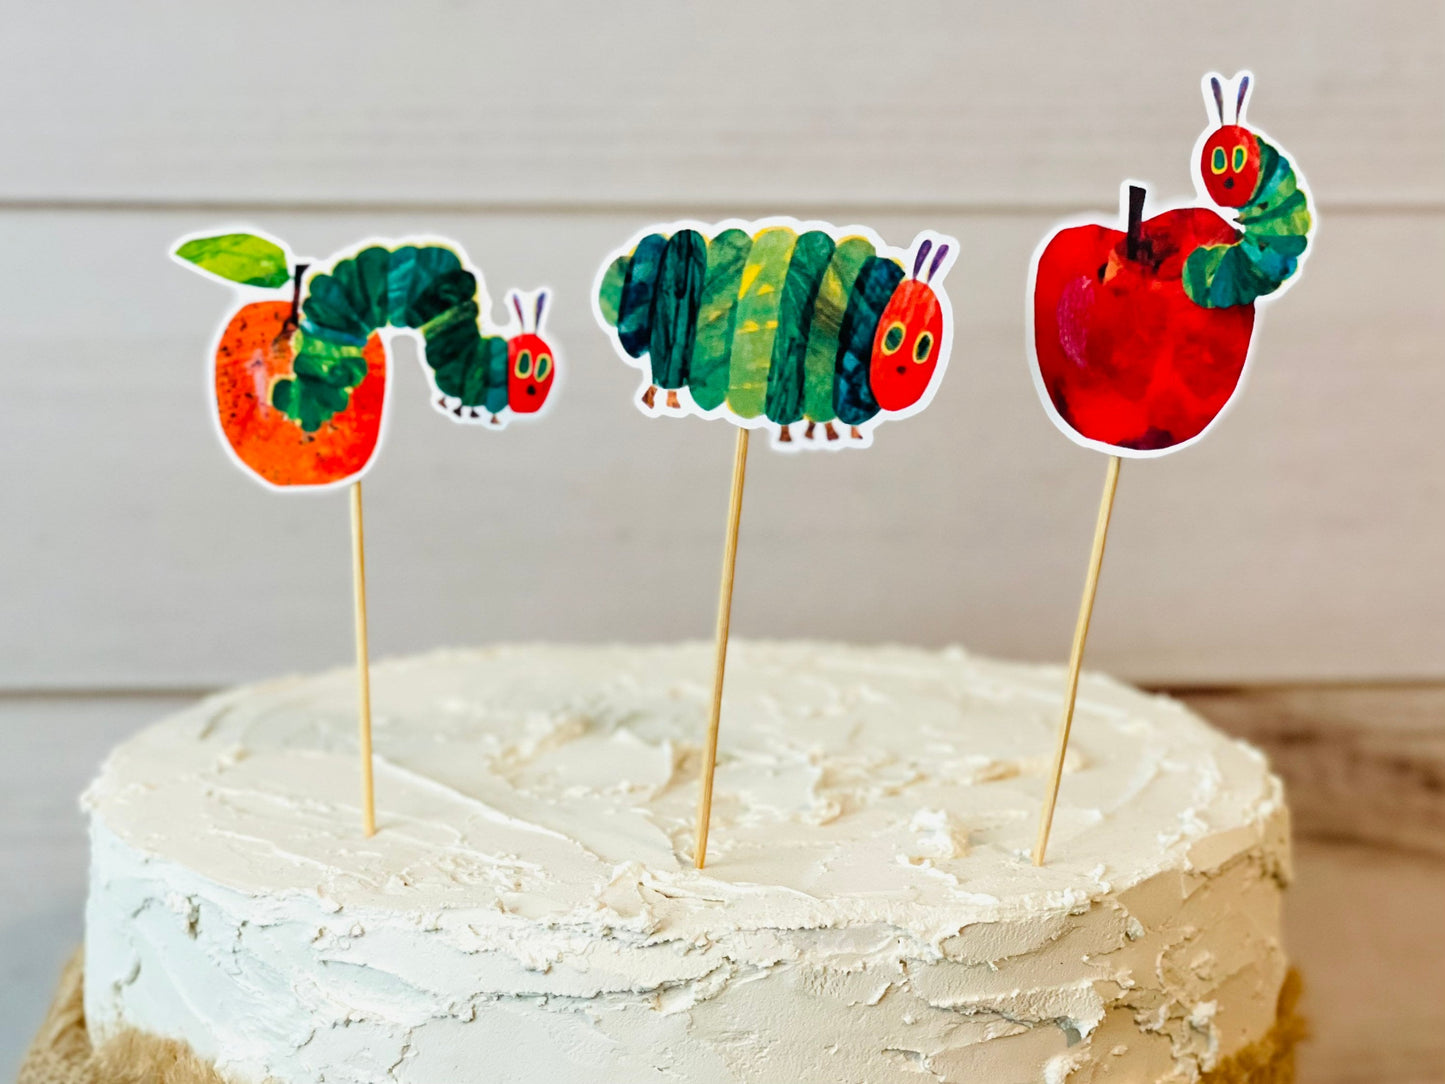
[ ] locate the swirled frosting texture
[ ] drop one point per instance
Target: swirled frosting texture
(529, 911)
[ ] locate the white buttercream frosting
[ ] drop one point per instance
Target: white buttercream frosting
(528, 910)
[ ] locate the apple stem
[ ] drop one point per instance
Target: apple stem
(1136, 221)
(295, 317)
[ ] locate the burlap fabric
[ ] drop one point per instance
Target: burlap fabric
(62, 1054)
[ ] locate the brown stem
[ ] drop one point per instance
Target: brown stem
(1136, 221)
(294, 317)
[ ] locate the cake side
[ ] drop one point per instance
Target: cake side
(529, 910)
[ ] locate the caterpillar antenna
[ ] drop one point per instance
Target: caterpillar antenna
(938, 258)
(922, 255)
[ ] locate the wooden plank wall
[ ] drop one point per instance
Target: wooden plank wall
(1301, 542)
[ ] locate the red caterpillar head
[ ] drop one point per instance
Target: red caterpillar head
(908, 341)
(1229, 162)
(531, 365)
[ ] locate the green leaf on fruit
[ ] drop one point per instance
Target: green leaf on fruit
(239, 257)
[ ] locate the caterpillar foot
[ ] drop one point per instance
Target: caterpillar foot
(785, 437)
(450, 404)
(832, 433)
(853, 432)
(496, 420)
(672, 402)
(649, 396)
(473, 413)
(808, 432)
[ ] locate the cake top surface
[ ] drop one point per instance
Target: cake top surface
(557, 785)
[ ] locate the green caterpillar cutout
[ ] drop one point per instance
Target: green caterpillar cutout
(427, 288)
(779, 322)
(1241, 169)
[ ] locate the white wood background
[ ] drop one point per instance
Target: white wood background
(1301, 543)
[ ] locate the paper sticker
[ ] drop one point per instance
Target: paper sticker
(779, 323)
(301, 374)
(1141, 331)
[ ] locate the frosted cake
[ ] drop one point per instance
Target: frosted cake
(529, 911)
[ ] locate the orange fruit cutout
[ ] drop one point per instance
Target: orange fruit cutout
(256, 349)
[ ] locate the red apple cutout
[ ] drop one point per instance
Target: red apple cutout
(1126, 359)
(1140, 335)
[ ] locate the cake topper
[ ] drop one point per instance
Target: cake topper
(300, 382)
(1139, 338)
(774, 324)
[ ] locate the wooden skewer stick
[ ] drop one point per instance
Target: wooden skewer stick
(1076, 656)
(363, 666)
(724, 621)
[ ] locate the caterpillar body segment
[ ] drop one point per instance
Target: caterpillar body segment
(676, 295)
(759, 305)
(787, 373)
(826, 329)
(709, 374)
(853, 397)
(634, 327)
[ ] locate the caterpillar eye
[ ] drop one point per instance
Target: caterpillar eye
(1218, 161)
(523, 368)
(893, 337)
(1239, 157)
(922, 347)
(544, 366)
